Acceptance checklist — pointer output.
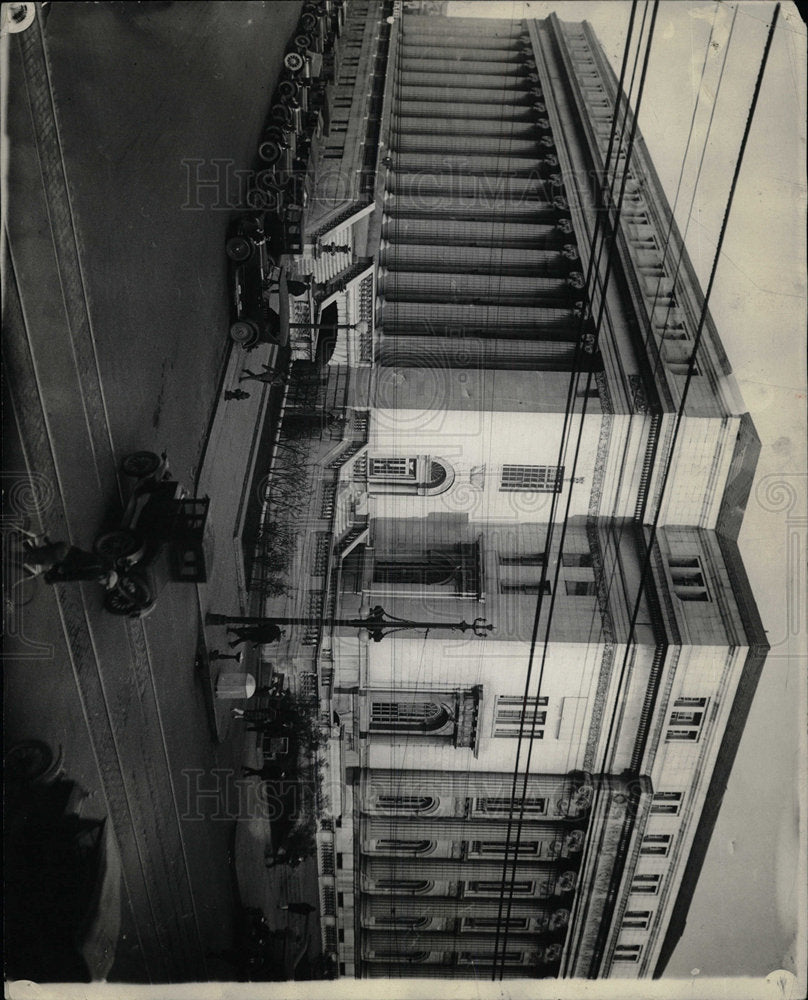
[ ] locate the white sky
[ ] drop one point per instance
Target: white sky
(743, 920)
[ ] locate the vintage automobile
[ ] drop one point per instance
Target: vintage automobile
(256, 275)
(161, 537)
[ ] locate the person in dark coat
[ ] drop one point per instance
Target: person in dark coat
(256, 634)
(304, 908)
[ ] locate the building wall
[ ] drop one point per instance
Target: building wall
(484, 213)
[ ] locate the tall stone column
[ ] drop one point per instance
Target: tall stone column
(471, 233)
(488, 84)
(476, 260)
(481, 208)
(475, 111)
(408, 286)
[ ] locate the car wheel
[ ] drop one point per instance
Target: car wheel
(293, 61)
(308, 22)
(244, 332)
(239, 248)
(287, 90)
(140, 463)
(28, 761)
(280, 112)
(278, 133)
(116, 544)
(269, 151)
(303, 43)
(131, 596)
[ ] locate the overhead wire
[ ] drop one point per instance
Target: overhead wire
(548, 542)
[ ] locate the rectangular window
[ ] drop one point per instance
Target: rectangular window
(514, 715)
(486, 958)
(522, 574)
(576, 559)
(666, 803)
(658, 844)
(392, 468)
(580, 588)
(498, 848)
(627, 952)
(492, 923)
(687, 578)
(532, 478)
(686, 719)
(525, 588)
(690, 735)
(639, 919)
(530, 559)
(647, 884)
(501, 806)
(495, 887)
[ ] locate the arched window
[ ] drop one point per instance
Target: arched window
(409, 716)
(393, 920)
(448, 570)
(414, 885)
(421, 475)
(406, 803)
(392, 846)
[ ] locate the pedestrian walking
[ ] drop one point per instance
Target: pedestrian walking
(256, 634)
(267, 377)
(303, 908)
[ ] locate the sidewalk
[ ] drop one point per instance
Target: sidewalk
(226, 476)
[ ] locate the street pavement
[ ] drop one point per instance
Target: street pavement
(115, 339)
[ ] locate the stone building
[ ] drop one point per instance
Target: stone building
(514, 448)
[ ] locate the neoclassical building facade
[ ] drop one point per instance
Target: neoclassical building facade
(523, 442)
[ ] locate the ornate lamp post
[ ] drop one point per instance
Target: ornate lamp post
(377, 624)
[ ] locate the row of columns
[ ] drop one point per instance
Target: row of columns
(478, 264)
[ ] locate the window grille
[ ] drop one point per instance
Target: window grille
(533, 478)
(406, 803)
(502, 806)
(404, 846)
(499, 847)
(329, 901)
(392, 468)
(686, 719)
(487, 888)
(513, 716)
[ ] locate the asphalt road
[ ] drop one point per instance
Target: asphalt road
(115, 319)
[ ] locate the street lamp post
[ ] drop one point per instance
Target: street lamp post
(378, 623)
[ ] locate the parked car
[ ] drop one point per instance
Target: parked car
(254, 272)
